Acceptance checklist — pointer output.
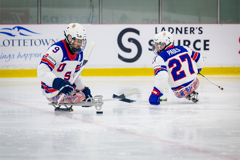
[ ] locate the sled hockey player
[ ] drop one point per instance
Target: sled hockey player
(178, 65)
(61, 63)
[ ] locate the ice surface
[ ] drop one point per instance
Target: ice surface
(177, 129)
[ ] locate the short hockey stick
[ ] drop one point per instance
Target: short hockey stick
(128, 93)
(211, 82)
(123, 96)
(86, 57)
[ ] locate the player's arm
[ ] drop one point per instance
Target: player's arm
(197, 58)
(79, 84)
(161, 78)
(50, 60)
(48, 63)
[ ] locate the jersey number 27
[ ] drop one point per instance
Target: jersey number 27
(177, 72)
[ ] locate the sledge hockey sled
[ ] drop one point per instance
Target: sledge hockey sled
(96, 101)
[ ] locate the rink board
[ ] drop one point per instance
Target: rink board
(21, 73)
(121, 49)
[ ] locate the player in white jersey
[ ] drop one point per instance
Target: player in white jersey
(61, 63)
(177, 65)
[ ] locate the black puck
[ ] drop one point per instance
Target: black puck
(99, 112)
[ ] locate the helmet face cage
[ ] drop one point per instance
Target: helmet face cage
(84, 43)
(76, 31)
(159, 45)
(162, 38)
(154, 48)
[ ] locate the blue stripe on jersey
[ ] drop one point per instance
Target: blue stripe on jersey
(47, 65)
(193, 52)
(171, 52)
(198, 57)
(77, 68)
(181, 86)
(159, 68)
(46, 88)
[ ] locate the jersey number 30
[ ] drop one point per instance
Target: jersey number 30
(177, 73)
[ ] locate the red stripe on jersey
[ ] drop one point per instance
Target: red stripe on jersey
(155, 71)
(195, 56)
(78, 68)
(47, 89)
(71, 57)
(169, 47)
(48, 62)
(178, 88)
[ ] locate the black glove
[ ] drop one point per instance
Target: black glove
(63, 86)
(87, 93)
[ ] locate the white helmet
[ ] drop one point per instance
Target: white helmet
(76, 31)
(163, 37)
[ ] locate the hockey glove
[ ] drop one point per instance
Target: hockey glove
(154, 98)
(87, 93)
(63, 86)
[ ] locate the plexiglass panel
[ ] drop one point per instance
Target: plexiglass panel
(189, 11)
(230, 11)
(68, 11)
(18, 11)
(130, 11)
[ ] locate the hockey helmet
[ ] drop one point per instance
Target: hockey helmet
(76, 31)
(163, 37)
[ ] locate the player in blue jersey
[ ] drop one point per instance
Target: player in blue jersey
(61, 63)
(177, 65)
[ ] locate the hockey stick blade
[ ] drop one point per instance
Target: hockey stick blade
(85, 60)
(119, 97)
(127, 100)
(128, 93)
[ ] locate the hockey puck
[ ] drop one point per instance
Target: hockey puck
(99, 112)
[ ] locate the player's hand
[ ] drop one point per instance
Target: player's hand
(154, 98)
(67, 88)
(63, 86)
(87, 93)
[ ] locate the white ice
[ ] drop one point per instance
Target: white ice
(30, 129)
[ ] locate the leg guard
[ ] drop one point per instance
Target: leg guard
(74, 98)
(184, 92)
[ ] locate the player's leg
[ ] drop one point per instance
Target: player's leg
(75, 97)
(189, 91)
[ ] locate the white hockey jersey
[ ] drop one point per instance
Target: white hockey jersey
(58, 62)
(178, 65)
